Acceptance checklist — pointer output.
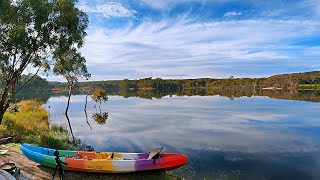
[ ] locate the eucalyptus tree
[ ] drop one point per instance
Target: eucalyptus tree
(72, 66)
(37, 35)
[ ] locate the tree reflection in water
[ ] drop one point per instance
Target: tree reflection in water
(100, 117)
(85, 111)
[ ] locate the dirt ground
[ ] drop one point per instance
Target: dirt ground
(32, 170)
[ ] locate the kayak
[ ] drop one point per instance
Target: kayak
(105, 162)
(5, 175)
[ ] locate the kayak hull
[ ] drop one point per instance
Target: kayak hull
(104, 162)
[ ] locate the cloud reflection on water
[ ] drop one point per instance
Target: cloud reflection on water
(250, 138)
(249, 125)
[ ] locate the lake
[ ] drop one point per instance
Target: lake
(253, 137)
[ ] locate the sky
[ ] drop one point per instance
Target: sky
(179, 39)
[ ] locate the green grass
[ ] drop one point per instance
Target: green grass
(31, 125)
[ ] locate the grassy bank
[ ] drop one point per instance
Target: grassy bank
(28, 122)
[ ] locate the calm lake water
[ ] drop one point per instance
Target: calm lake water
(244, 138)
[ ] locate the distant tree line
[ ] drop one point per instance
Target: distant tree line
(146, 84)
(230, 87)
(35, 83)
(284, 81)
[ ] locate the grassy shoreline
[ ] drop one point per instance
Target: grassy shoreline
(28, 122)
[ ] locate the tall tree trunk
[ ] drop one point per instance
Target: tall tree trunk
(66, 112)
(4, 104)
(3, 109)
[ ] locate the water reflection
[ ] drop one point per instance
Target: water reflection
(87, 120)
(250, 137)
(69, 124)
(100, 117)
(85, 110)
(303, 95)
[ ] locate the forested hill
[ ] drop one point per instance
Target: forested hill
(312, 77)
(306, 80)
(283, 81)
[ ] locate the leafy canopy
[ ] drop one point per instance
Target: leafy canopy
(31, 31)
(39, 34)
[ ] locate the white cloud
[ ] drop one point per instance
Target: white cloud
(213, 49)
(232, 13)
(313, 50)
(109, 9)
(315, 4)
(318, 9)
(164, 4)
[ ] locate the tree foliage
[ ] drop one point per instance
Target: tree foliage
(72, 66)
(38, 34)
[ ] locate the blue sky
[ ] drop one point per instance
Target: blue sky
(201, 38)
